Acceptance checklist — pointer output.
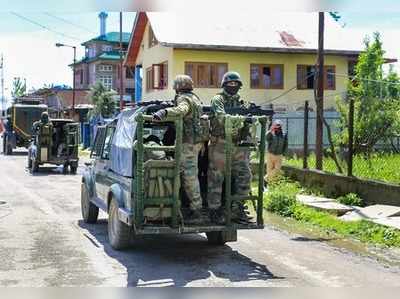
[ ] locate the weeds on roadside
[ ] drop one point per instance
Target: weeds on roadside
(281, 199)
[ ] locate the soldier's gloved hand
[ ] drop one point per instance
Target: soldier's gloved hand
(160, 115)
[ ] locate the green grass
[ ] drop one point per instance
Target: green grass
(381, 167)
(281, 199)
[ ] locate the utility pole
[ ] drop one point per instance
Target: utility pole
(121, 80)
(2, 85)
(320, 94)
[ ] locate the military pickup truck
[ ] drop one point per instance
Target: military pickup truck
(18, 125)
(54, 143)
(134, 177)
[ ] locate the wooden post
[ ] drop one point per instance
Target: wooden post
(305, 140)
(320, 94)
(351, 138)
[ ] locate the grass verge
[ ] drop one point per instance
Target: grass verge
(281, 199)
(382, 167)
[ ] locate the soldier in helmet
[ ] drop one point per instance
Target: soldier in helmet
(241, 173)
(189, 106)
(44, 120)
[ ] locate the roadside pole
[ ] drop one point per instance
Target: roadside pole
(305, 140)
(121, 80)
(320, 93)
(351, 138)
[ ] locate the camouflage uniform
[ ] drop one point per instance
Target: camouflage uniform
(189, 106)
(241, 173)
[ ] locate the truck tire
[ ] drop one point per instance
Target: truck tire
(215, 238)
(29, 162)
(90, 211)
(4, 144)
(7, 149)
(118, 232)
(73, 168)
(65, 168)
(34, 166)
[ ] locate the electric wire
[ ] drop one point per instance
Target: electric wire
(43, 26)
(69, 22)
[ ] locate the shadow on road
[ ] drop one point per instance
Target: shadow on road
(306, 239)
(178, 260)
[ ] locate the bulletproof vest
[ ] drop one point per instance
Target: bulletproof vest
(229, 101)
(192, 129)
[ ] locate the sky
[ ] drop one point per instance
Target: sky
(29, 49)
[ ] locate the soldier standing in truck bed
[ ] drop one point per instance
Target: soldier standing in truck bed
(241, 173)
(189, 106)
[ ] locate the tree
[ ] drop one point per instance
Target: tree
(376, 101)
(19, 88)
(103, 101)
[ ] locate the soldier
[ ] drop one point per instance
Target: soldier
(44, 120)
(241, 173)
(189, 106)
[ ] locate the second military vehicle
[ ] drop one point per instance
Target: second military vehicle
(135, 178)
(18, 125)
(55, 143)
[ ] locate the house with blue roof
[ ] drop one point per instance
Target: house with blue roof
(102, 62)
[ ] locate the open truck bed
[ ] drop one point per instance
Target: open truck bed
(128, 201)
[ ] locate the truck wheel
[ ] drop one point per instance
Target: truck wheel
(29, 162)
(90, 212)
(34, 166)
(7, 149)
(216, 238)
(73, 168)
(118, 232)
(65, 168)
(4, 145)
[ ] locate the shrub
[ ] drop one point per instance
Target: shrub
(351, 199)
(281, 203)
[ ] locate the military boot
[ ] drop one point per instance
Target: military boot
(217, 216)
(194, 217)
(240, 214)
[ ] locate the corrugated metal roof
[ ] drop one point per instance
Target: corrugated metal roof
(250, 31)
(111, 37)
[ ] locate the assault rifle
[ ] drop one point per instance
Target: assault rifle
(251, 110)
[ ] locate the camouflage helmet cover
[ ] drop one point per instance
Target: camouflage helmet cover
(231, 76)
(183, 82)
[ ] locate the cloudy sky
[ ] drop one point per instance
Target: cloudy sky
(27, 38)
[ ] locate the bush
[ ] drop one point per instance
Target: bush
(281, 203)
(351, 199)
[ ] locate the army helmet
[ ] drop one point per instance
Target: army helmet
(231, 77)
(183, 82)
(44, 117)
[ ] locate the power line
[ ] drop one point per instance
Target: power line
(43, 26)
(69, 22)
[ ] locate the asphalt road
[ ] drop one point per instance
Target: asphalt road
(43, 242)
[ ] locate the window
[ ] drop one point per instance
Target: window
(107, 48)
(81, 75)
(152, 39)
(107, 143)
(105, 68)
(106, 80)
(266, 76)
(157, 76)
(91, 52)
(129, 90)
(306, 73)
(129, 72)
(98, 142)
(206, 75)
